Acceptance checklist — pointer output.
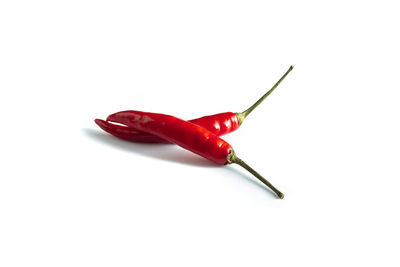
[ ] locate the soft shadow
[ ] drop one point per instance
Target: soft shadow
(165, 152)
(172, 153)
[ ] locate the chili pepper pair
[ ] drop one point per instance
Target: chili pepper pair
(201, 136)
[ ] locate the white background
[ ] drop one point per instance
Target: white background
(328, 137)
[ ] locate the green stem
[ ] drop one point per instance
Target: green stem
(232, 158)
(242, 115)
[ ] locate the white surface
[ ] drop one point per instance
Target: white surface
(328, 137)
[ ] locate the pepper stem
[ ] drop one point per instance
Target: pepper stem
(242, 115)
(232, 158)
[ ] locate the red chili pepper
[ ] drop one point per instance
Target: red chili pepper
(128, 133)
(219, 124)
(187, 135)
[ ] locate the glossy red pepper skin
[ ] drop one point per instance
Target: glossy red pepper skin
(183, 133)
(218, 124)
(128, 133)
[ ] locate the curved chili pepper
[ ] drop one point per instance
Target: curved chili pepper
(187, 135)
(219, 124)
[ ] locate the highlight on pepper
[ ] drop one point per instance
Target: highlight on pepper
(135, 126)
